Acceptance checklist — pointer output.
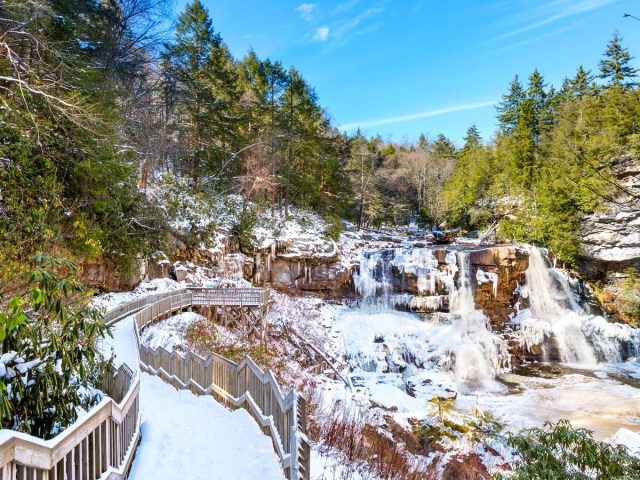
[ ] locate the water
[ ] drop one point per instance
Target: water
(556, 316)
(474, 354)
(479, 353)
(453, 349)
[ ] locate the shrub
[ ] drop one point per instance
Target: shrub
(50, 363)
(628, 302)
(560, 452)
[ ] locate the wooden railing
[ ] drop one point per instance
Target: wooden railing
(232, 297)
(237, 385)
(99, 445)
(121, 311)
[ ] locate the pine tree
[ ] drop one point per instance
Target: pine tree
(472, 138)
(538, 99)
(615, 66)
(443, 147)
(203, 84)
(509, 107)
(580, 85)
(423, 143)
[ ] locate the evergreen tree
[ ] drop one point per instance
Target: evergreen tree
(580, 85)
(615, 66)
(472, 138)
(423, 143)
(443, 147)
(204, 88)
(540, 116)
(509, 107)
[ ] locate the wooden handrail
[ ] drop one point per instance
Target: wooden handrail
(236, 385)
(97, 446)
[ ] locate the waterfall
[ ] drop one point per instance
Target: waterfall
(555, 312)
(474, 353)
(479, 353)
(376, 284)
(372, 282)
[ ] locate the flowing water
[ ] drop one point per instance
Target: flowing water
(405, 359)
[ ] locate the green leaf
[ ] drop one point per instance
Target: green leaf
(36, 295)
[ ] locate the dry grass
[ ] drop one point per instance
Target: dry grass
(363, 450)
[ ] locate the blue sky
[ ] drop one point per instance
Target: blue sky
(402, 68)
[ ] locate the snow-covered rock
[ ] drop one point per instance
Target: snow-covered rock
(629, 439)
(611, 236)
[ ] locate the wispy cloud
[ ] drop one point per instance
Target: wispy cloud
(539, 38)
(415, 116)
(336, 28)
(347, 29)
(307, 11)
(562, 10)
(346, 6)
(321, 34)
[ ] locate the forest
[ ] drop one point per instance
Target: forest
(100, 101)
(114, 115)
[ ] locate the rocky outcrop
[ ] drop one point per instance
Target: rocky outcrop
(423, 279)
(610, 243)
(498, 272)
(104, 276)
(332, 278)
(610, 237)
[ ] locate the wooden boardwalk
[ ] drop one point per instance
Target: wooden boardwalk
(236, 385)
(101, 444)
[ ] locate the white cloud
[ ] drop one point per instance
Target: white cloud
(347, 29)
(321, 34)
(307, 11)
(346, 6)
(529, 41)
(570, 10)
(414, 116)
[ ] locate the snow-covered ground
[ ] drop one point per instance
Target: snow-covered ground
(189, 437)
(110, 301)
(169, 333)
(629, 439)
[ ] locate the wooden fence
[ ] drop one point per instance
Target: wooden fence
(99, 445)
(237, 385)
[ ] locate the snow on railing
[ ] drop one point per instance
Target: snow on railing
(232, 297)
(236, 385)
(99, 445)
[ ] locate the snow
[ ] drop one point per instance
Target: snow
(185, 436)
(326, 467)
(169, 333)
(110, 301)
(390, 396)
(123, 344)
(629, 439)
(190, 437)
